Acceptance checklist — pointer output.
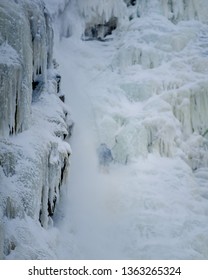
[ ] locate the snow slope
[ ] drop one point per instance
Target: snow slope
(143, 91)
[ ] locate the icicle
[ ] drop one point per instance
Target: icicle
(15, 67)
(175, 10)
(101, 17)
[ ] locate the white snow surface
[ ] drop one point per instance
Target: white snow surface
(144, 93)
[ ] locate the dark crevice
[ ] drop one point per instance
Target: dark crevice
(62, 98)
(15, 115)
(51, 208)
(40, 213)
(58, 82)
(37, 86)
(101, 30)
(130, 2)
(63, 169)
(39, 71)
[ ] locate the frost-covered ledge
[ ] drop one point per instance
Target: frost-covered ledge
(34, 126)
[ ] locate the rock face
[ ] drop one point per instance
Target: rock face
(34, 124)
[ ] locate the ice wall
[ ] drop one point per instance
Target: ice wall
(65, 18)
(34, 126)
(160, 69)
(91, 19)
(97, 16)
(173, 10)
(26, 53)
(34, 165)
(101, 17)
(95, 19)
(16, 51)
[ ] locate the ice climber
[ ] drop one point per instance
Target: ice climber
(105, 157)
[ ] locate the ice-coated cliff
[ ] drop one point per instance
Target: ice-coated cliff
(34, 124)
(26, 53)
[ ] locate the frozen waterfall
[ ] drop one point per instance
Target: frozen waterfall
(142, 90)
(134, 75)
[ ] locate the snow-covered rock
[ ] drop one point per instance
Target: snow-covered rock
(34, 124)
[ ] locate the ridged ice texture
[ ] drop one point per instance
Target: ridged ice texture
(175, 10)
(16, 80)
(101, 11)
(26, 52)
(32, 174)
(75, 17)
(158, 35)
(33, 163)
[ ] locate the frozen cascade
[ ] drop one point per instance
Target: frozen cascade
(174, 10)
(29, 55)
(34, 124)
(136, 74)
(146, 88)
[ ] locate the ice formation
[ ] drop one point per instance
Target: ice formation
(34, 122)
(97, 19)
(147, 83)
(140, 45)
(29, 55)
(179, 102)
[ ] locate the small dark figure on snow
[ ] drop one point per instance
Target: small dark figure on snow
(105, 157)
